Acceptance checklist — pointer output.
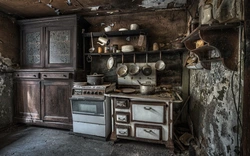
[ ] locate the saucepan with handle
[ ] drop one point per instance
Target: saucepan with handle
(147, 88)
(160, 65)
(122, 70)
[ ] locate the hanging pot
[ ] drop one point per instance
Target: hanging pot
(160, 65)
(134, 69)
(122, 70)
(95, 79)
(146, 69)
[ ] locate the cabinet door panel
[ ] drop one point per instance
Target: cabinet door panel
(27, 99)
(55, 100)
(148, 132)
(59, 46)
(148, 113)
(31, 47)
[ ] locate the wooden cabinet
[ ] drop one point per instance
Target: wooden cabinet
(43, 100)
(137, 119)
(51, 59)
(27, 100)
(31, 47)
(56, 109)
(52, 42)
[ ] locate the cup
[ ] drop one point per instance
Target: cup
(103, 41)
(99, 49)
(134, 27)
(155, 46)
(107, 29)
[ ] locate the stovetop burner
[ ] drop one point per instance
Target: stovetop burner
(84, 89)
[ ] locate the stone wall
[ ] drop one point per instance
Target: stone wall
(9, 49)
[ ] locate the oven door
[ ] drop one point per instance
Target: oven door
(87, 107)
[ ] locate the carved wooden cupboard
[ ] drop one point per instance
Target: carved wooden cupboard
(51, 59)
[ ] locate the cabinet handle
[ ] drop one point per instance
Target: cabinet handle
(123, 119)
(34, 75)
(64, 75)
(120, 132)
(17, 75)
(44, 75)
(148, 131)
(121, 104)
(148, 108)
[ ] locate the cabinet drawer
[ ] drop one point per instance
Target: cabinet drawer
(30, 75)
(148, 132)
(148, 113)
(55, 75)
(122, 103)
(122, 131)
(122, 117)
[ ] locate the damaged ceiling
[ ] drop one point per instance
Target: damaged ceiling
(42, 8)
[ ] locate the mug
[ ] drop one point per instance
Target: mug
(134, 26)
(107, 29)
(103, 41)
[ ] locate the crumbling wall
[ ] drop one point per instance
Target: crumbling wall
(215, 97)
(9, 43)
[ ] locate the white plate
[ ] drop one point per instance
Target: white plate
(127, 48)
(123, 29)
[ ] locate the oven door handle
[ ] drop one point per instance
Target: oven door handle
(148, 108)
(87, 98)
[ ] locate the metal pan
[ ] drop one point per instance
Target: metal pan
(110, 62)
(125, 90)
(146, 69)
(122, 70)
(134, 69)
(160, 65)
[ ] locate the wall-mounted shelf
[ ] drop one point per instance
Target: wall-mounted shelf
(117, 33)
(223, 38)
(140, 53)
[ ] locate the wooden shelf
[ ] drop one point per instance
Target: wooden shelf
(215, 26)
(223, 38)
(170, 51)
(117, 33)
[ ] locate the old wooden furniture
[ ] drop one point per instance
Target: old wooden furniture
(51, 59)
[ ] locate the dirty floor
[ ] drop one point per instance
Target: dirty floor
(37, 141)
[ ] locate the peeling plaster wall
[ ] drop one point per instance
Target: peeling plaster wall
(212, 108)
(9, 48)
(6, 97)
(162, 3)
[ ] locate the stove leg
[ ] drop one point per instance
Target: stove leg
(113, 136)
(170, 145)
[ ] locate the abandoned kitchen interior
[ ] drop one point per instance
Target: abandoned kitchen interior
(139, 77)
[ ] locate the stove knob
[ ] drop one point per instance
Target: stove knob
(96, 93)
(100, 93)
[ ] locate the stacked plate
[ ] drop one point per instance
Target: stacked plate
(127, 48)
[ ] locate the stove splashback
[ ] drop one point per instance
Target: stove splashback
(132, 80)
